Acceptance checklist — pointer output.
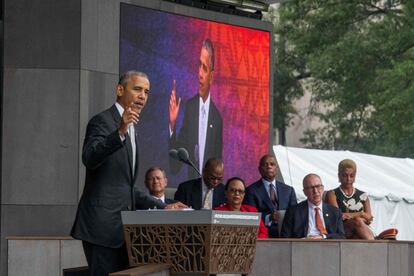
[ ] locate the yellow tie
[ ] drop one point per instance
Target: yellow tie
(207, 202)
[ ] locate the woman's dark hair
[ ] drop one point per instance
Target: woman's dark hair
(232, 179)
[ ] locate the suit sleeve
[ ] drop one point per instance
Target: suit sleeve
(180, 194)
(219, 138)
(338, 226)
(183, 139)
(99, 143)
(292, 200)
(287, 226)
(144, 201)
(249, 198)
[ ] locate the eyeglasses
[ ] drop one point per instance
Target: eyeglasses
(315, 187)
(237, 191)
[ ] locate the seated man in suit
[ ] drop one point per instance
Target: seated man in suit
(312, 218)
(156, 182)
(206, 192)
(269, 195)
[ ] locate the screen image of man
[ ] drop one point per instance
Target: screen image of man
(201, 132)
(110, 155)
(312, 218)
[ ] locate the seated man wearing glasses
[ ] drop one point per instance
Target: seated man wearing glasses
(312, 218)
(206, 192)
(235, 189)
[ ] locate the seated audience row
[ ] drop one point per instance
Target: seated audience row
(345, 213)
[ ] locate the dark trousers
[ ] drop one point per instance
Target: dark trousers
(104, 260)
(273, 231)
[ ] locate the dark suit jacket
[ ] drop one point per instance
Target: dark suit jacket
(188, 135)
(257, 196)
(109, 183)
(191, 193)
(296, 222)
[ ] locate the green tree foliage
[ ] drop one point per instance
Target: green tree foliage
(356, 57)
(287, 73)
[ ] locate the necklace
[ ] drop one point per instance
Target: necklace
(347, 196)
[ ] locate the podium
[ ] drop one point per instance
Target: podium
(202, 242)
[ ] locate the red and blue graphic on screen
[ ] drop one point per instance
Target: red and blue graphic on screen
(167, 47)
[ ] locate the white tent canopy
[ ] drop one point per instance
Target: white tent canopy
(388, 181)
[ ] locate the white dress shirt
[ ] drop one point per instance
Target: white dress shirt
(202, 129)
(312, 229)
(160, 198)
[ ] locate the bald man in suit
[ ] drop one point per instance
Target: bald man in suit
(312, 218)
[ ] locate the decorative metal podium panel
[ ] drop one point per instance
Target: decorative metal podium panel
(202, 241)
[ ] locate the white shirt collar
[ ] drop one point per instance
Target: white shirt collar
(160, 198)
(313, 206)
(120, 108)
(206, 104)
(267, 184)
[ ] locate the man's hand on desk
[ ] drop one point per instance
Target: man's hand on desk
(177, 205)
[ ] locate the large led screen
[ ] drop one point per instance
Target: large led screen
(168, 48)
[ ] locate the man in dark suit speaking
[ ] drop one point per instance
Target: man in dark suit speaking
(201, 133)
(110, 155)
(269, 195)
(313, 219)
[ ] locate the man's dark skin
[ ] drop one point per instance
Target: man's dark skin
(268, 169)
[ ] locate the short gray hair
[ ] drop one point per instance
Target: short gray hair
(126, 76)
(155, 168)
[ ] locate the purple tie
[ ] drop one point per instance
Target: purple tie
(272, 193)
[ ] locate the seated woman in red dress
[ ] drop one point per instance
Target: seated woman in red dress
(235, 190)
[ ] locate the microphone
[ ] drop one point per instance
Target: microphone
(183, 156)
(174, 154)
